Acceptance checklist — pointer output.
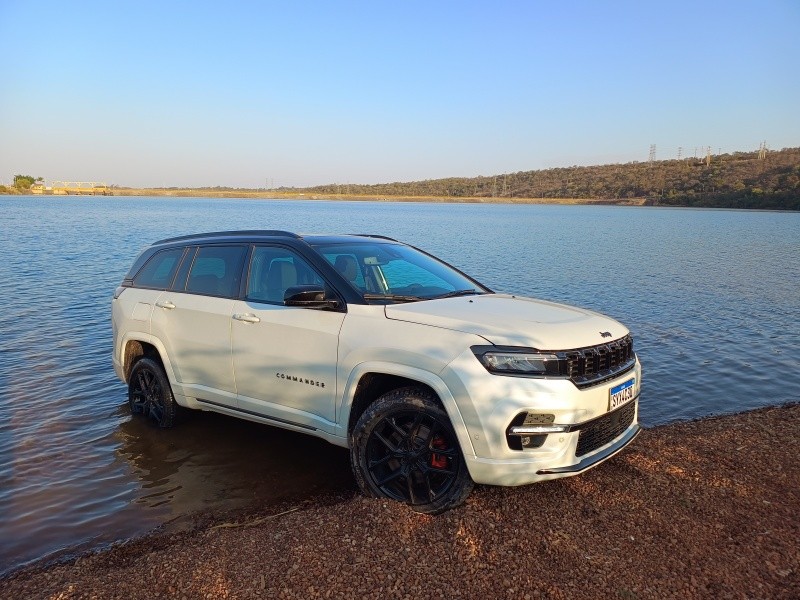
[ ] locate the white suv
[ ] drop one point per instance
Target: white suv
(431, 379)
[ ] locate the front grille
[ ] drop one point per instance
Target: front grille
(587, 366)
(600, 431)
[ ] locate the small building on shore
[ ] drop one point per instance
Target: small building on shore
(80, 188)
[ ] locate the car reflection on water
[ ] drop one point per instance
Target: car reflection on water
(214, 463)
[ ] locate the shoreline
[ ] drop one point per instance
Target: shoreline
(304, 197)
(245, 194)
(278, 195)
(704, 508)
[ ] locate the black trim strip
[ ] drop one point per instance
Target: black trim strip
(592, 460)
(590, 422)
(259, 415)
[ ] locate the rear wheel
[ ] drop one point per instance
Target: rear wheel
(150, 394)
(404, 448)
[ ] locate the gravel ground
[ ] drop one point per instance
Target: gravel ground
(707, 509)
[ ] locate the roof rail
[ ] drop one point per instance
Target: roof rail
(238, 233)
(371, 235)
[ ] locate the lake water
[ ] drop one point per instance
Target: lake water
(712, 298)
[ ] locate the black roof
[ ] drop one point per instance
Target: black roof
(268, 234)
(271, 233)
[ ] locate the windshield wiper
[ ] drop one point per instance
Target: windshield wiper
(454, 293)
(392, 297)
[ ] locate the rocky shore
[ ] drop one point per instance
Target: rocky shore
(705, 509)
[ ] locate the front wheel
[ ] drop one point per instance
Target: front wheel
(150, 394)
(404, 448)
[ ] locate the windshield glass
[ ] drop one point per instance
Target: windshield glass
(385, 271)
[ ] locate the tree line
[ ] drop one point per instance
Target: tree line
(735, 180)
(22, 184)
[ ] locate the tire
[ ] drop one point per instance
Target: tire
(150, 394)
(404, 448)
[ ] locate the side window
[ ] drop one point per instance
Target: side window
(158, 271)
(273, 270)
(216, 271)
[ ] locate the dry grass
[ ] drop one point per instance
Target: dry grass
(279, 195)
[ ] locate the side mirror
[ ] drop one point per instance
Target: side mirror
(309, 296)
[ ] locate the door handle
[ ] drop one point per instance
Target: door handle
(165, 304)
(247, 318)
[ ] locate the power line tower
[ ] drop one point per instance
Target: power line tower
(680, 152)
(652, 153)
(708, 155)
(762, 151)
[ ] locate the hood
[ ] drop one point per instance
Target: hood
(506, 320)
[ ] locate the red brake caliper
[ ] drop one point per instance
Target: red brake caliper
(438, 461)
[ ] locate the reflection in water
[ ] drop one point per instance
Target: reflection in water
(214, 462)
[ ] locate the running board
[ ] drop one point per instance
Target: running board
(256, 414)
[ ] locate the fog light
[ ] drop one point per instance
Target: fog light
(529, 430)
(535, 423)
(532, 441)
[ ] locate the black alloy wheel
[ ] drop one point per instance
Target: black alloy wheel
(150, 394)
(404, 448)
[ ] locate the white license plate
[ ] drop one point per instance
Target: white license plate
(621, 394)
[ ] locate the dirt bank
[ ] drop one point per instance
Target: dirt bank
(289, 195)
(707, 509)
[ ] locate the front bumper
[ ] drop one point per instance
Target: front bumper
(523, 470)
(577, 432)
(596, 458)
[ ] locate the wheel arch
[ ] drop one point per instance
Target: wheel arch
(369, 381)
(144, 346)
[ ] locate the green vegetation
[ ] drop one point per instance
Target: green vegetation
(24, 182)
(22, 185)
(737, 180)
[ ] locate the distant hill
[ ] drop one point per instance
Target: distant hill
(737, 180)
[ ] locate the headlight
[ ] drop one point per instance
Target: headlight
(519, 362)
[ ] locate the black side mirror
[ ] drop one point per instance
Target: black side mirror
(309, 296)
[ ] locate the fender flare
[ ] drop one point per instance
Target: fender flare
(428, 378)
(146, 338)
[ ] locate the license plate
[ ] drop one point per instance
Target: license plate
(621, 394)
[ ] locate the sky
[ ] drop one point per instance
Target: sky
(271, 94)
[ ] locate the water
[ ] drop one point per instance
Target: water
(712, 298)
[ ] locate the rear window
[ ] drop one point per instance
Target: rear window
(158, 272)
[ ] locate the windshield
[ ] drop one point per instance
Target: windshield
(383, 271)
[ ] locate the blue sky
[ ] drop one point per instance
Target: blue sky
(255, 94)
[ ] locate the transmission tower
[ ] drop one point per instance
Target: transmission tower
(708, 155)
(762, 151)
(680, 152)
(652, 153)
